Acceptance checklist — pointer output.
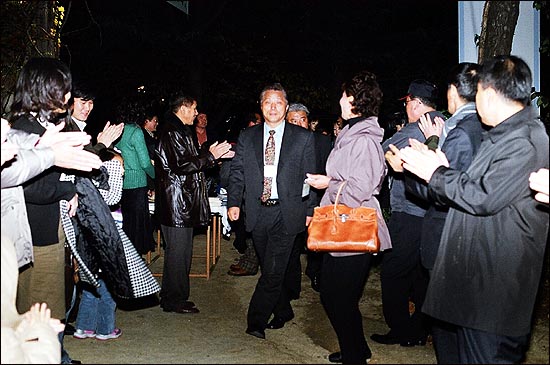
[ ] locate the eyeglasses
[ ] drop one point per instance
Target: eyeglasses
(408, 101)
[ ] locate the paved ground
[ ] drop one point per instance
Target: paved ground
(216, 335)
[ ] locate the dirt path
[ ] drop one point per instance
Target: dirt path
(216, 335)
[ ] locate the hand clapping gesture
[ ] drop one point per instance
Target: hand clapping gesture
(422, 162)
(431, 129)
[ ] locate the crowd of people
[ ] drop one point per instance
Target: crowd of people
(462, 250)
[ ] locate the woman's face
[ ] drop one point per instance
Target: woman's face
(345, 106)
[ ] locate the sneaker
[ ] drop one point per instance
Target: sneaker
(115, 334)
(82, 334)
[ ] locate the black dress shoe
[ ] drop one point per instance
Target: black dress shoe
(189, 303)
(335, 357)
(239, 271)
(387, 339)
(186, 304)
(184, 309)
(277, 323)
(256, 333)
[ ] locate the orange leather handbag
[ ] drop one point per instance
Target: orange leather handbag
(339, 228)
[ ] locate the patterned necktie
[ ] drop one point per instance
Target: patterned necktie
(269, 156)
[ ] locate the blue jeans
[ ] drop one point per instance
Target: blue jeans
(97, 310)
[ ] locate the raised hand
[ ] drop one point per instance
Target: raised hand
(428, 128)
(421, 161)
(221, 149)
(110, 133)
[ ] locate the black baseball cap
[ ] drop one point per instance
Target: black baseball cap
(421, 89)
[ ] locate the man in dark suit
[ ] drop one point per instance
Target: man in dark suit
(271, 161)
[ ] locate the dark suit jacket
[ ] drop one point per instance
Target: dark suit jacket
(297, 157)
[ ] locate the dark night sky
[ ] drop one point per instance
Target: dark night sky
(224, 52)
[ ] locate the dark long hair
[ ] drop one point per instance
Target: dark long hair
(41, 88)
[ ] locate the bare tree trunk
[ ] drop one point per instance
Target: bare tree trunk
(497, 28)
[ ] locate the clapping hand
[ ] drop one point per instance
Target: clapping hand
(393, 157)
(110, 133)
(221, 150)
(431, 129)
(422, 162)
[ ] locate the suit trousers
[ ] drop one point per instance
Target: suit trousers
(403, 278)
(479, 347)
(273, 245)
(178, 253)
(342, 287)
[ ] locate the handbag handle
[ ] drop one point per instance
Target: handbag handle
(338, 196)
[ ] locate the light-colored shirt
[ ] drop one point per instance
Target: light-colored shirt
(81, 124)
(278, 136)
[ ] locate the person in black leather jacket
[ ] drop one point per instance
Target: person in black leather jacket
(181, 197)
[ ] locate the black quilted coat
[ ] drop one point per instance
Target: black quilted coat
(98, 241)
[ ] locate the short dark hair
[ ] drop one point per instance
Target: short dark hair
(273, 87)
(367, 95)
(509, 76)
(148, 114)
(464, 77)
(83, 90)
(179, 99)
(41, 87)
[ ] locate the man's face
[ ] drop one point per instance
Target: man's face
(274, 106)
(483, 104)
(202, 120)
(151, 124)
(82, 108)
(298, 118)
(412, 108)
(188, 113)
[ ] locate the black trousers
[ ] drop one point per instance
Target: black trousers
(479, 347)
(342, 287)
(403, 277)
(274, 246)
(177, 265)
(137, 223)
